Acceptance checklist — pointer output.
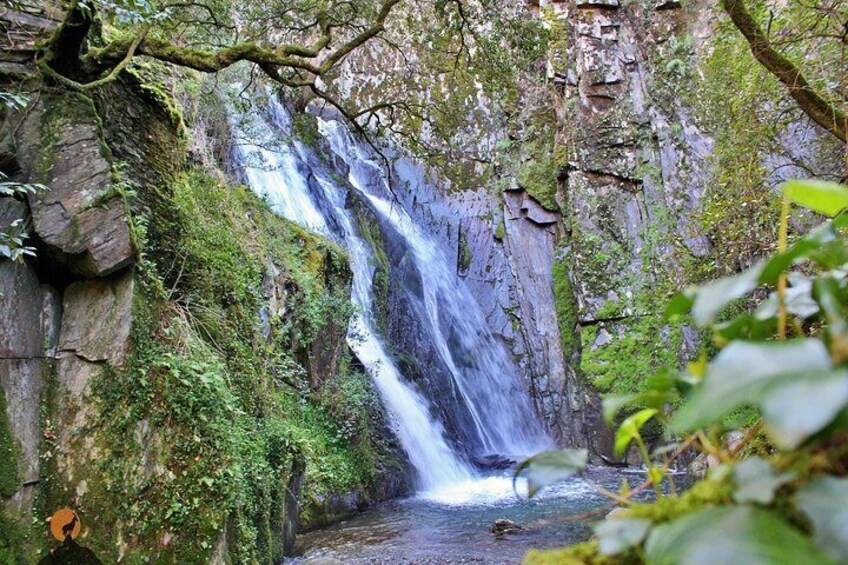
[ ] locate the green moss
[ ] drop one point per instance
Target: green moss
(9, 482)
(305, 128)
(151, 77)
(746, 109)
(539, 178)
(702, 494)
(500, 229)
(579, 554)
(638, 347)
(370, 232)
(11, 542)
(566, 308)
(463, 255)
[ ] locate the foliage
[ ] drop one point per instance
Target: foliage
(771, 509)
(14, 236)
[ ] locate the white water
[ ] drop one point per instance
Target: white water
(493, 393)
(301, 187)
(422, 437)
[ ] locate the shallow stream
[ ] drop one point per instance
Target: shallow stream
(453, 525)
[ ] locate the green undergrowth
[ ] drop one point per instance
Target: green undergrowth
(637, 347)
(197, 434)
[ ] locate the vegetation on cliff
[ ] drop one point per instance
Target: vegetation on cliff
(770, 496)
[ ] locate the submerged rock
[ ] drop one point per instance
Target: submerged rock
(493, 461)
(502, 527)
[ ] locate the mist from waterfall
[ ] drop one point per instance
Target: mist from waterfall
(304, 187)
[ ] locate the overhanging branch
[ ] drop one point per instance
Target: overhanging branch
(817, 107)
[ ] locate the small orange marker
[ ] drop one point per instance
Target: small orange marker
(64, 523)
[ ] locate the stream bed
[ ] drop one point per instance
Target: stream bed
(453, 525)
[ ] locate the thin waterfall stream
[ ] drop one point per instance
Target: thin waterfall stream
(488, 407)
(305, 188)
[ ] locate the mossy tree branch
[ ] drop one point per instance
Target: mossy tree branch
(822, 111)
(64, 52)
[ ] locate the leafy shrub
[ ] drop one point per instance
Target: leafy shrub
(780, 494)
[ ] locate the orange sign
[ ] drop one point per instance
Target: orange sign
(64, 523)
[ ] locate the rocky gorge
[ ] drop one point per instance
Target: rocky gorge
(177, 358)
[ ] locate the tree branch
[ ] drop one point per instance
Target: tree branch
(818, 108)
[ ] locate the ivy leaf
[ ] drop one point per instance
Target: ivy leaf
(629, 429)
(680, 304)
(734, 534)
(798, 299)
(801, 406)
(828, 295)
(757, 481)
(712, 297)
(655, 397)
(825, 502)
(828, 198)
(746, 326)
(617, 534)
(613, 403)
(743, 372)
(549, 467)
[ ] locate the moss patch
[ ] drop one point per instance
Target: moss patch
(566, 308)
(539, 178)
(9, 482)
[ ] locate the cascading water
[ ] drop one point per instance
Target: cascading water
(305, 188)
(479, 369)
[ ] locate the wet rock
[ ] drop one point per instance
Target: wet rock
(82, 217)
(493, 461)
(10, 211)
(322, 561)
(502, 527)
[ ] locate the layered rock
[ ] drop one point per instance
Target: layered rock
(81, 218)
(505, 245)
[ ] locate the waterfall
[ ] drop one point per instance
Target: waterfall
(312, 190)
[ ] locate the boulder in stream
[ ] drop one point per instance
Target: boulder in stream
(501, 527)
(493, 461)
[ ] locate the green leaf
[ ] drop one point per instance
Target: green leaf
(828, 295)
(828, 198)
(742, 372)
(549, 467)
(712, 297)
(825, 502)
(680, 304)
(617, 534)
(654, 397)
(757, 481)
(802, 249)
(629, 429)
(746, 326)
(735, 534)
(798, 299)
(613, 403)
(804, 404)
